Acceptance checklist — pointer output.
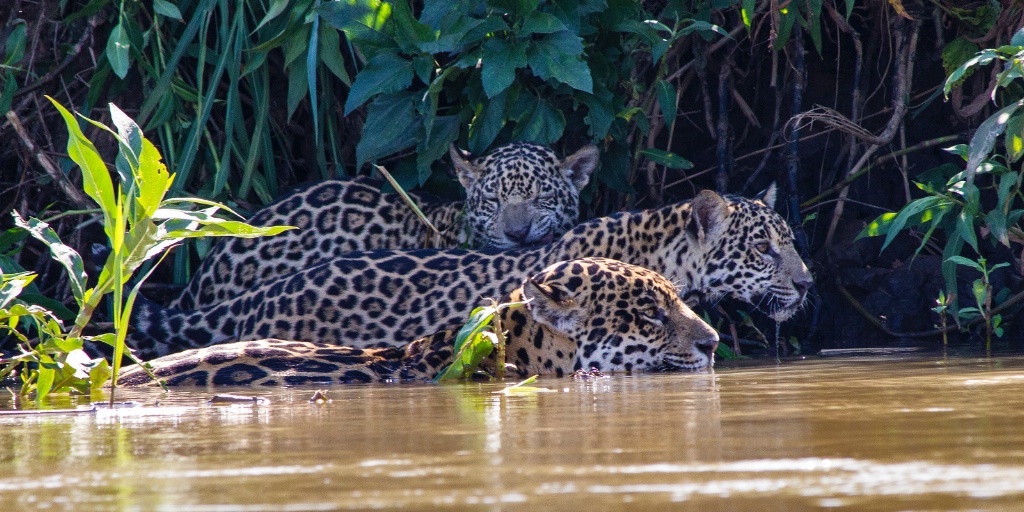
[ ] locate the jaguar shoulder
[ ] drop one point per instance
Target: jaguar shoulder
(580, 314)
(519, 194)
(710, 247)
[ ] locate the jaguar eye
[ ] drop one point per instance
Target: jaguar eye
(762, 247)
(655, 316)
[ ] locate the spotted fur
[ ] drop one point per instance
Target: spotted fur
(711, 247)
(520, 194)
(581, 314)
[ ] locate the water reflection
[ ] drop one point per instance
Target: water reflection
(863, 433)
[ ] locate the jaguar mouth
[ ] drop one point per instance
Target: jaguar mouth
(778, 308)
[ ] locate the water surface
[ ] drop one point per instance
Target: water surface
(927, 433)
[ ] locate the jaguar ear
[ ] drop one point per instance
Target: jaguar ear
(552, 305)
(580, 165)
(768, 196)
(464, 169)
(708, 213)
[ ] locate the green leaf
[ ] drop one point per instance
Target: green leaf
(667, 101)
(13, 285)
(95, 177)
(1014, 139)
(538, 22)
(117, 50)
(385, 73)
(46, 372)
(488, 122)
(331, 56)
(64, 255)
(99, 374)
(166, 9)
(500, 61)
(666, 158)
(391, 118)
(559, 57)
(956, 53)
(747, 10)
(537, 120)
(960, 260)
(517, 7)
(982, 58)
(985, 137)
(276, 8)
(15, 46)
(914, 208)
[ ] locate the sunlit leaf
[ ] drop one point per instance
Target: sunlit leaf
(64, 254)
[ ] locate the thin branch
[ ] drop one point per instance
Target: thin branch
(77, 198)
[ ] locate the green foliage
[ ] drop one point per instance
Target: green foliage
(506, 69)
(474, 343)
(982, 199)
(140, 224)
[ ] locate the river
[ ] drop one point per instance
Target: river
(872, 433)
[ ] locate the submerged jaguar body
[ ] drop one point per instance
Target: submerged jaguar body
(580, 314)
(519, 194)
(711, 247)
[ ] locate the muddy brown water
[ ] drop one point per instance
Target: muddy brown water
(926, 433)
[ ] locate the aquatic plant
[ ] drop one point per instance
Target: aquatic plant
(140, 224)
(481, 336)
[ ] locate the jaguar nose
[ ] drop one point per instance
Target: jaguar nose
(518, 234)
(802, 285)
(708, 345)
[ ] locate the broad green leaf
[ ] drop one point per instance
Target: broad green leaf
(479, 318)
(99, 374)
(13, 285)
(298, 85)
(956, 53)
(914, 208)
(787, 17)
(392, 119)
(7, 95)
(488, 122)
(667, 101)
(276, 8)
(965, 223)
(47, 372)
(666, 158)
(982, 58)
(538, 22)
(960, 260)
(1014, 139)
(167, 9)
(409, 32)
(15, 45)
(537, 120)
(117, 50)
(559, 57)
(153, 179)
(500, 61)
(984, 138)
(600, 115)
(95, 177)
(516, 7)
(445, 131)
(64, 255)
(747, 10)
(385, 73)
(331, 56)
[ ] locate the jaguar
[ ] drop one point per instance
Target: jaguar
(587, 314)
(519, 194)
(711, 247)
